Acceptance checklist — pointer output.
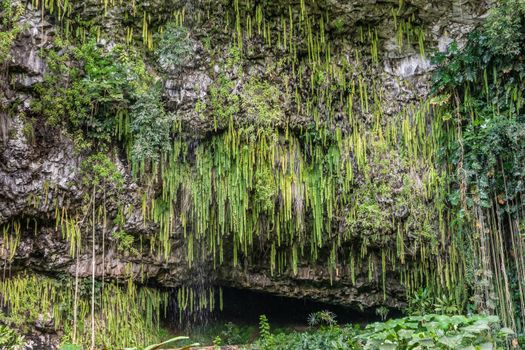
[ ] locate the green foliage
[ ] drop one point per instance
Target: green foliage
(233, 334)
(382, 312)
(124, 242)
(414, 332)
(217, 341)
(497, 45)
(82, 97)
(97, 95)
(61, 95)
(490, 143)
(420, 303)
(446, 305)
(264, 328)
(331, 338)
(505, 27)
(225, 105)
(370, 218)
(266, 338)
(166, 343)
(150, 126)
(9, 29)
(87, 92)
(98, 169)
(261, 104)
(483, 85)
(9, 339)
(33, 299)
(482, 108)
(68, 346)
(322, 318)
(434, 332)
(221, 334)
(174, 47)
(265, 190)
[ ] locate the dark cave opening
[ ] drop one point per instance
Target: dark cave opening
(243, 307)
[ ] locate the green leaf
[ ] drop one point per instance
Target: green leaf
(405, 333)
(486, 346)
(452, 341)
(169, 341)
(506, 331)
(476, 328)
(388, 346)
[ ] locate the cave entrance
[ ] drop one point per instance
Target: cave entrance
(245, 306)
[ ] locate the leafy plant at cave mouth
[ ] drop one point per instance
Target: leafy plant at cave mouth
(446, 305)
(264, 327)
(327, 338)
(420, 303)
(233, 334)
(435, 332)
(382, 312)
(322, 318)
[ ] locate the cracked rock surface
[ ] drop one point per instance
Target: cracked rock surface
(41, 173)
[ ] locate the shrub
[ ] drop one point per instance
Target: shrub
(322, 318)
(434, 332)
(174, 47)
(261, 104)
(332, 338)
(88, 92)
(9, 29)
(265, 190)
(150, 126)
(83, 90)
(224, 104)
(505, 28)
(98, 169)
(419, 303)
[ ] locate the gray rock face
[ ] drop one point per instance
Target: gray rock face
(26, 172)
(38, 175)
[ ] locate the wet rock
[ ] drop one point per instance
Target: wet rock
(48, 169)
(183, 93)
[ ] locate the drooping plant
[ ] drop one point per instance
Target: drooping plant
(483, 151)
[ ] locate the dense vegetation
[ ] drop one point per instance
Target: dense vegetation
(485, 153)
(298, 163)
(416, 332)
